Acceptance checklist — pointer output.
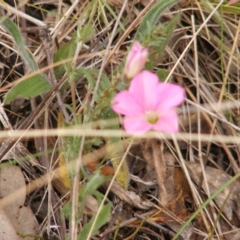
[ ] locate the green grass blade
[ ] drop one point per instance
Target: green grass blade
(101, 220)
(16, 34)
(200, 208)
(152, 16)
(31, 86)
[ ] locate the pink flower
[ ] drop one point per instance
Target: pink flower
(149, 104)
(136, 60)
(232, 2)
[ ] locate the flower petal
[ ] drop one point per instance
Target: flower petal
(143, 87)
(136, 124)
(168, 122)
(169, 95)
(124, 103)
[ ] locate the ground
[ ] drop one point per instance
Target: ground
(68, 168)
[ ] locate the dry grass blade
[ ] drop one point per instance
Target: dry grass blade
(172, 175)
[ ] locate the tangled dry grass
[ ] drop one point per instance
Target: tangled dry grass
(180, 187)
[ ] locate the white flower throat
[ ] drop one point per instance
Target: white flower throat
(152, 117)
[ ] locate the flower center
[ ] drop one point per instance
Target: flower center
(152, 117)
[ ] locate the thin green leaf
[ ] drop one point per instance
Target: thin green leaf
(16, 34)
(158, 40)
(204, 204)
(101, 220)
(95, 181)
(83, 33)
(30, 87)
(65, 52)
(152, 16)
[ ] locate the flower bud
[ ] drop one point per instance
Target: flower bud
(136, 60)
(232, 2)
